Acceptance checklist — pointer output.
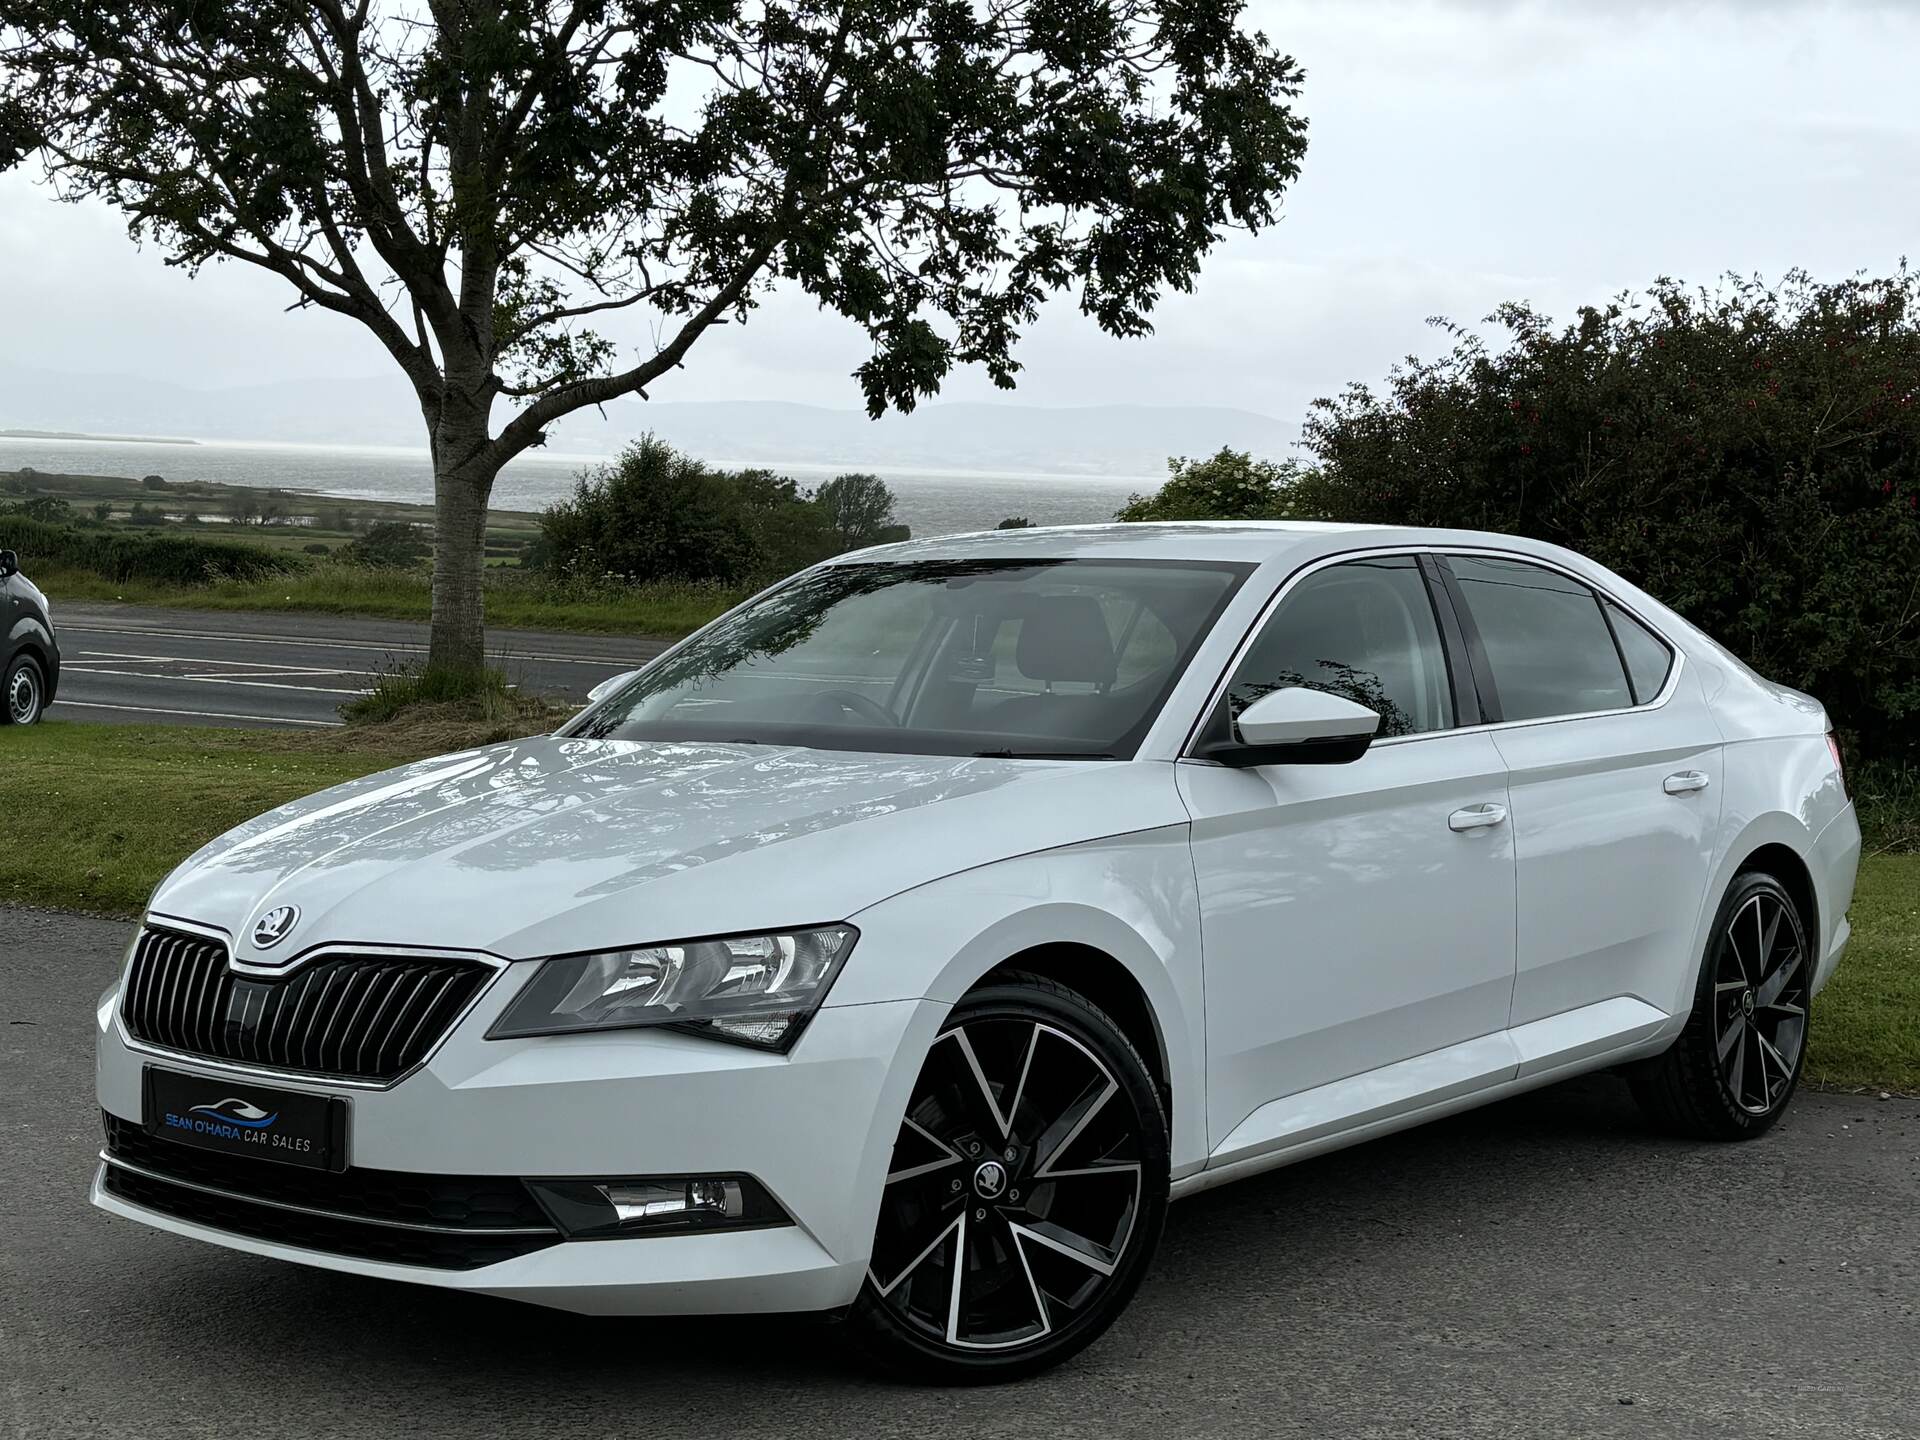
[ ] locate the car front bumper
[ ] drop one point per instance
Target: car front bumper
(816, 1127)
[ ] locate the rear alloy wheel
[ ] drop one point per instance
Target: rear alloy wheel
(26, 692)
(1026, 1194)
(1736, 1065)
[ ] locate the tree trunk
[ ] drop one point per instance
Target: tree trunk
(462, 485)
(457, 639)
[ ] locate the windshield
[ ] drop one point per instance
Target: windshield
(940, 657)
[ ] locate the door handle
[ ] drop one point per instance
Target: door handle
(1687, 782)
(1476, 817)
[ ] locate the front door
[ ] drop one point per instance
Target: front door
(1352, 915)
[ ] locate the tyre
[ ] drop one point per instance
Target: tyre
(1736, 1065)
(1026, 1195)
(26, 692)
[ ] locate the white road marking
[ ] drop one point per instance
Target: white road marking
(210, 680)
(284, 672)
(196, 714)
(201, 660)
(503, 652)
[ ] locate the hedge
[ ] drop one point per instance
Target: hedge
(162, 559)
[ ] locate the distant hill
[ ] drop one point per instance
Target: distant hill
(1132, 440)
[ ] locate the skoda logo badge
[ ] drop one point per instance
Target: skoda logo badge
(990, 1179)
(273, 926)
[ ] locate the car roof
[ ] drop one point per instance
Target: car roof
(1247, 541)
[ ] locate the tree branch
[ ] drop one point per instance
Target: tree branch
(526, 428)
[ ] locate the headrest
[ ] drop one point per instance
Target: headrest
(1064, 637)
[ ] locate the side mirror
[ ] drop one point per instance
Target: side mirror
(607, 686)
(1296, 726)
(9, 564)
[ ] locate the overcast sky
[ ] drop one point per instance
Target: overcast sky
(1461, 154)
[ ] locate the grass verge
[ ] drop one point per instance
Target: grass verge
(514, 598)
(102, 812)
(1866, 1023)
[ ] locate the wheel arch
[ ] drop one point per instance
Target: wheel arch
(29, 648)
(1773, 842)
(1787, 866)
(31, 639)
(1111, 986)
(1118, 921)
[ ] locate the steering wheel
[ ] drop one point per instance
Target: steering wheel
(865, 706)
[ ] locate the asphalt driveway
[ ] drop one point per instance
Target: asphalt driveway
(1542, 1268)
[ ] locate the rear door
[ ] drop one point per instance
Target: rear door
(1614, 770)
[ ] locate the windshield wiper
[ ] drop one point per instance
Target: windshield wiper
(1042, 755)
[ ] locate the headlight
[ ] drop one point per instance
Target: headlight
(755, 990)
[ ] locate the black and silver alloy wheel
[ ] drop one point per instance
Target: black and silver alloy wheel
(25, 692)
(1735, 1066)
(1026, 1193)
(1760, 1000)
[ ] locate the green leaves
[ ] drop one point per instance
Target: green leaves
(655, 514)
(1229, 485)
(482, 183)
(1749, 455)
(932, 170)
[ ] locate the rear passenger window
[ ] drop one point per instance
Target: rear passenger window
(1648, 658)
(1363, 630)
(1546, 639)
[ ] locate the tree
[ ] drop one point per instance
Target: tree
(1749, 455)
(860, 510)
(653, 513)
(475, 180)
(386, 545)
(1230, 485)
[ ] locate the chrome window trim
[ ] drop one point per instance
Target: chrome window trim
(1279, 598)
(117, 1163)
(295, 1079)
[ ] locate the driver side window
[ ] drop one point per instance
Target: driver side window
(1364, 630)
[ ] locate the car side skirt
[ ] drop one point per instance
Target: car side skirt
(1442, 1082)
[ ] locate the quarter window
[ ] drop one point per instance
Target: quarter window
(1364, 630)
(1647, 656)
(1546, 639)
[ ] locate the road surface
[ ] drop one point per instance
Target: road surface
(130, 663)
(1545, 1267)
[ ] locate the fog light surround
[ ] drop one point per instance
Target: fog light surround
(624, 1208)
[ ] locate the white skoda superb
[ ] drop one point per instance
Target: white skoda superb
(900, 945)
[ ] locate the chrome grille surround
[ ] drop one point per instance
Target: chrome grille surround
(361, 1015)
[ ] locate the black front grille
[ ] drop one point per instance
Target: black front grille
(444, 1222)
(368, 1017)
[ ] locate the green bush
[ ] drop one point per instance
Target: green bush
(1230, 485)
(1750, 455)
(163, 559)
(1887, 795)
(387, 545)
(655, 514)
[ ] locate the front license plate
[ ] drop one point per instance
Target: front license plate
(238, 1117)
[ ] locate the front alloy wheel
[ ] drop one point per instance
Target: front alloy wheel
(1027, 1189)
